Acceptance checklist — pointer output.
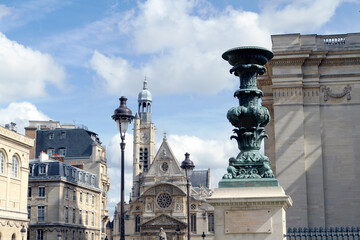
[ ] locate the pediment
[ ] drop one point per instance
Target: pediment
(161, 221)
(165, 163)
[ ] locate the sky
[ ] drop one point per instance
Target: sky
(70, 61)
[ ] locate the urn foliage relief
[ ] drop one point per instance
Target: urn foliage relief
(249, 118)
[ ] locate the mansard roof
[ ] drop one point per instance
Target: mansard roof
(200, 178)
(56, 170)
(77, 141)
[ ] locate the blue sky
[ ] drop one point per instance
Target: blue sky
(71, 60)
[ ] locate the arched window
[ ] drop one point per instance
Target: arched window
(13, 237)
(14, 167)
(2, 163)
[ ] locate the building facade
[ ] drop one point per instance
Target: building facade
(76, 146)
(14, 170)
(312, 90)
(62, 199)
(158, 198)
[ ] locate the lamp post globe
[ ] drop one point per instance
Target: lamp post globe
(188, 166)
(122, 116)
(23, 232)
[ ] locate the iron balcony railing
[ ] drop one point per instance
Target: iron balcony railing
(332, 233)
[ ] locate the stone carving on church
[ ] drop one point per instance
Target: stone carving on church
(162, 234)
(249, 119)
(345, 92)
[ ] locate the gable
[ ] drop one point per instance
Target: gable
(165, 163)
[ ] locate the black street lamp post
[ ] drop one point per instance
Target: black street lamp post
(178, 231)
(188, 166)
(23, 232)
(122, 116)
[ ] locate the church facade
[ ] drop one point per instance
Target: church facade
(158, 198)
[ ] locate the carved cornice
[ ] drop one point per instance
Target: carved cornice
(340, 61)
(287, 61)
(328, 93)
(313, 61)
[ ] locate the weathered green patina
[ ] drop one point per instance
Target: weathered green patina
(250, 167)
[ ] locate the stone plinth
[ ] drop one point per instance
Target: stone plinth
(255, 213)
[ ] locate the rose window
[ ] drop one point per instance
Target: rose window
(164, 166)
(164, 200)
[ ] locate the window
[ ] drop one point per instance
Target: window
(29, 192)
(67, 193)
(51, 151)
(86, 178)
(51, 135)
(41, 213)
(87, 197)
(80, 196)
(42, 169)
(66, 235)
(13, 237)
(92, 199)
(137, 223)
(144, 158)
(92, 236)
(99, 155)
(80, 217)
(39, 234)
(80, 235)
(31, 170)
(86, 236)
(14, 167)
(41, 192)
(74, 195)
(73, 215)
(66, 214)
(62, 151)
(211, 222)
(73, 235)
(92, 219)
(193, 222)
(2, 163)
(62, 135)
(29, 211)
(86, 218)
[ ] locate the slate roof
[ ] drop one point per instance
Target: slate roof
(78, 142)
(200, 178)
(62, 171)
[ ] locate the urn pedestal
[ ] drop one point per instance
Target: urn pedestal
(250, 213)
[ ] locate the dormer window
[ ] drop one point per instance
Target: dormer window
(62, 135)
(51, 135)
(51, 151)
(42, 169)
(62, 151)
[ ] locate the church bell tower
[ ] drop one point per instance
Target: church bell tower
(144, 138)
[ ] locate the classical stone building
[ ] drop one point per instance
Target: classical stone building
(14, 162)
(62, 199)
(312, 89)
(158, 196)
(76, 146)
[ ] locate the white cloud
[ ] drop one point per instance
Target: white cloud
(179, 43)
(181, 51)
(297, 16)
(20, 113)
(4, 11)
(25, 73)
